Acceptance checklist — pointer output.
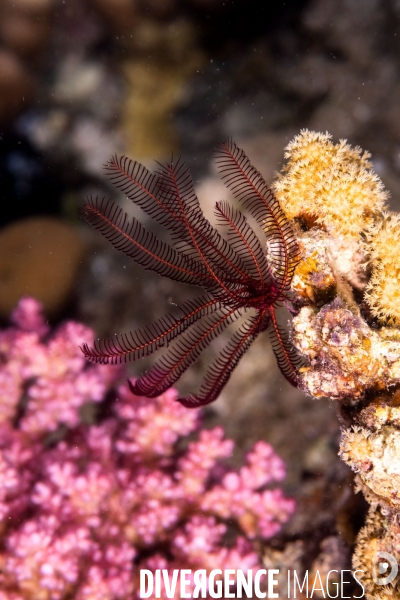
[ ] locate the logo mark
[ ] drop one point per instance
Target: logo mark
(382, 562)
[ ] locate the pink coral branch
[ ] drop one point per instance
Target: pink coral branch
(80, 516)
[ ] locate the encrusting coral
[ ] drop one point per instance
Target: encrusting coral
(347, 291)
(89, 497)
(347, 356)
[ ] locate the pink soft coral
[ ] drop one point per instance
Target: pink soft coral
(50, 375)
(83, 507)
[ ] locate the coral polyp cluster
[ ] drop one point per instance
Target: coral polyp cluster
(333, 193)
(330, 184)
(375, 456)
(96, 483)
(381, 533)
(383, 290)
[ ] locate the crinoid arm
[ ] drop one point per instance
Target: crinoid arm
(243, 240)
(250, 188)
(134, 345)
(183, 353)
(286, 355)
(168, 197)
(130, 237)
(193, 230)
(220, 372)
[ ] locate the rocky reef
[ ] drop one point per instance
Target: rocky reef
(346, 289)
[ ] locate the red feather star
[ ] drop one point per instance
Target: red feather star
(235, 271)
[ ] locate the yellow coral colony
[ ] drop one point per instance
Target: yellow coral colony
(330, 184)
(334, 187)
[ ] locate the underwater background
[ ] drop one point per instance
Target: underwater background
(81, 80)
